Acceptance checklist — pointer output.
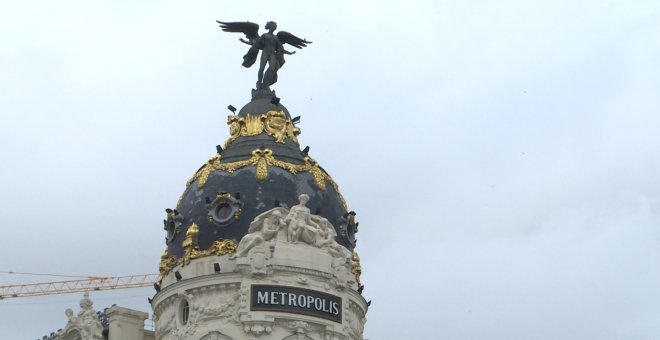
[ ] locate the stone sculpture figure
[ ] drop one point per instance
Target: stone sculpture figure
(86, 326)
(270, 44)
(91, 327)
(263, 229)
(325, 231)
(73, 322)
(299, 223)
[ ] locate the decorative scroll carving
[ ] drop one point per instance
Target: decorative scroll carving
(356, 320)
(300, 328)
(165, 325)
(86, 326)
(262, 158)
(226, 309)
(298, 336)
(274, 123)
(257, 327)
(189, 327)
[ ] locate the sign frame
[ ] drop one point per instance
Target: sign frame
(287, 299)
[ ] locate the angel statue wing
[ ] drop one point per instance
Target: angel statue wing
(288, 38)
(270, 45)
(250, 29)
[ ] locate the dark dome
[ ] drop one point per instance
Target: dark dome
(261, 167)
(261, 105)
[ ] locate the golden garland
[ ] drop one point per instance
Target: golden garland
(262, 158)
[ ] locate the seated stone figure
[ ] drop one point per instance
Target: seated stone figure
(85, 326)
(263, 229)
(300, 224)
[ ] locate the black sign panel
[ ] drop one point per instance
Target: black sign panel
(295, 300)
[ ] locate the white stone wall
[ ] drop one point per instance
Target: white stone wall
(220, 303)
(125, 324)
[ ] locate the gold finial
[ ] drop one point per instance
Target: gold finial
(190, 245)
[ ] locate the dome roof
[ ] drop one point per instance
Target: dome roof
(260, 167)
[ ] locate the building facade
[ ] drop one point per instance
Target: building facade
(261, 243)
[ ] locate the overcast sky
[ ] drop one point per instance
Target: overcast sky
(503, 156)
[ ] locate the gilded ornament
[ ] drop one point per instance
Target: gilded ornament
(222, 247)
(262, 164)
(253, 126)
(292, 132)
(356, 269)
(223, 196)
(234, 123)
(319, 175)
(167, 262)
(203, 173)
(190, 245)
(274, 123)
(262, 158)
(219, 247)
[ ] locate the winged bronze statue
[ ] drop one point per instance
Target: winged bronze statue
(270, 44)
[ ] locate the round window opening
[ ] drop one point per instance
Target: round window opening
(224, 212)
(185, 312)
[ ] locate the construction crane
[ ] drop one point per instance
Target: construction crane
(82, 284)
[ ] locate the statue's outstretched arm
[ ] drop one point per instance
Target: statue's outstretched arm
(287, 52)
(245, 41)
